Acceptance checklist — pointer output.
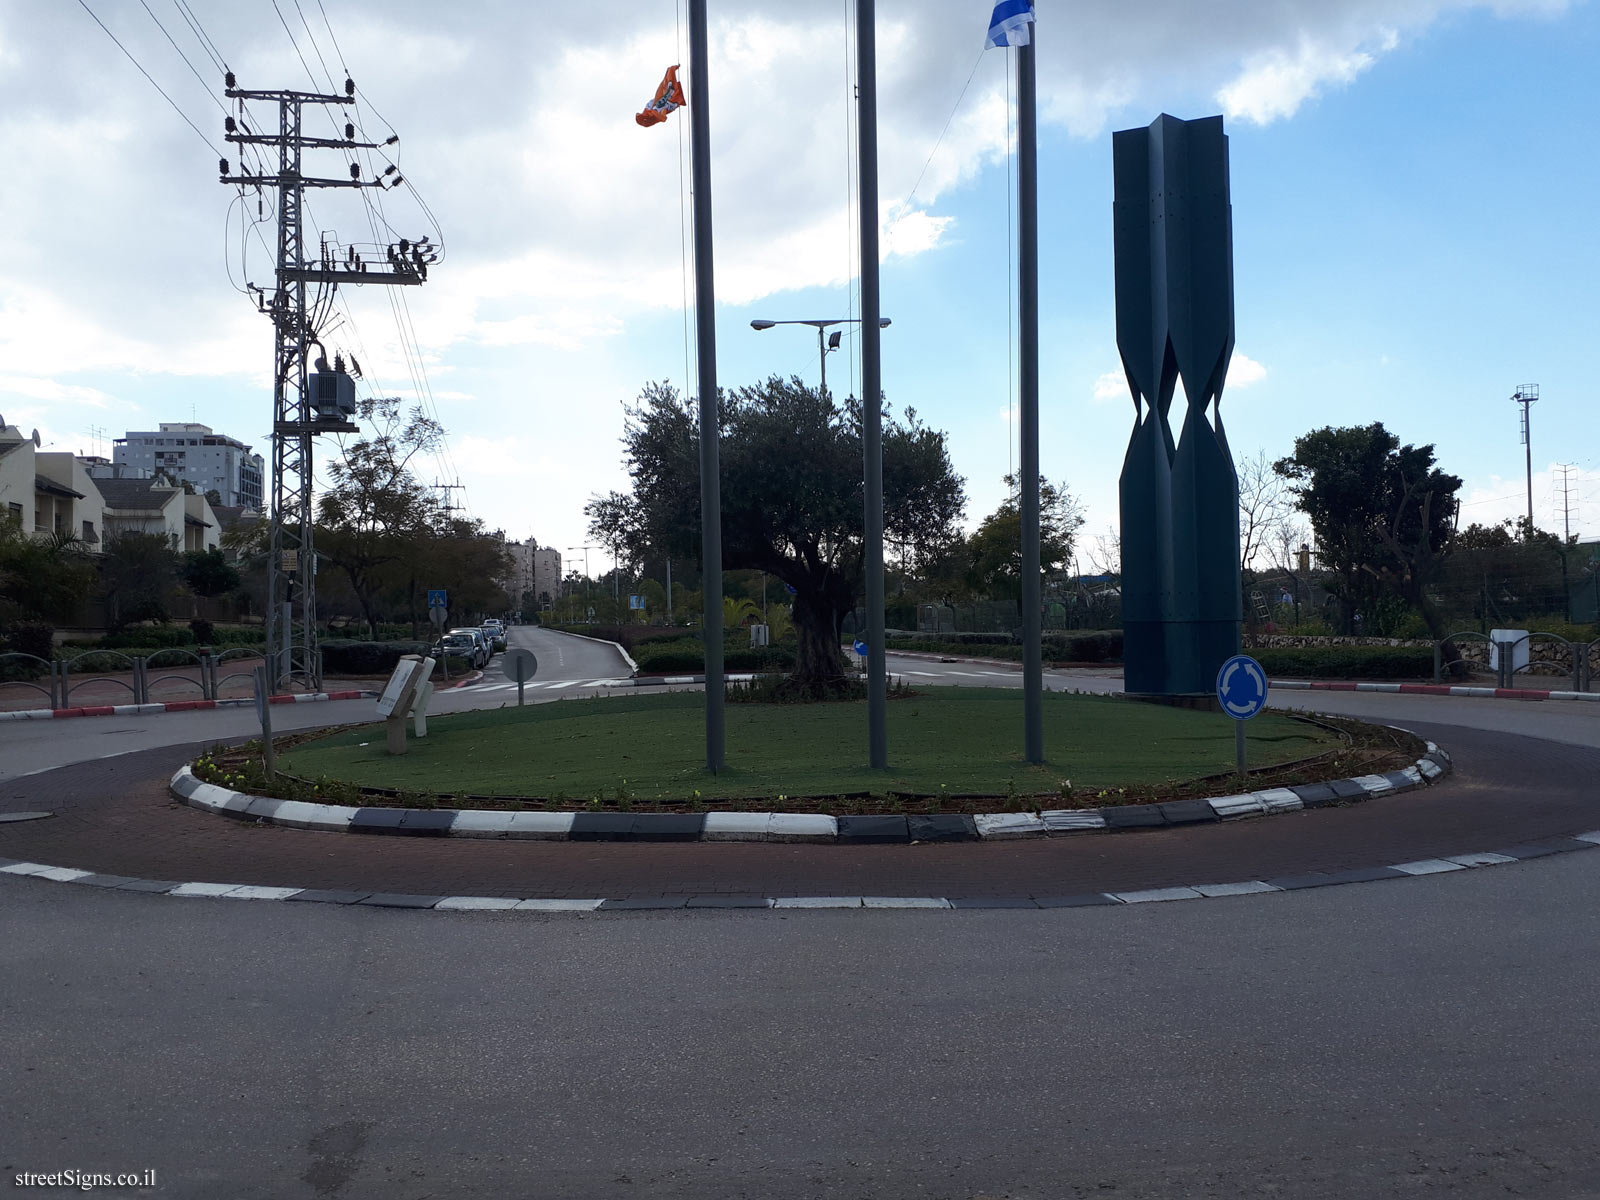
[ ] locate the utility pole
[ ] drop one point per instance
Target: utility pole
(1566, 501)
(447, 508)
(298, 416)
(871, 379)
(1525, 395)
(586, 592)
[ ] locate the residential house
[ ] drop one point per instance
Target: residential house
(48, 493)
(157, 506)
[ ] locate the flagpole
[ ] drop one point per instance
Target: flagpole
(705, 312)
(1028, 306)
(871, 381)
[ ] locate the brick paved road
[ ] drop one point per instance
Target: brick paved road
(114, 816)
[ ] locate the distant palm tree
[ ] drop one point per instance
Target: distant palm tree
(737, 612)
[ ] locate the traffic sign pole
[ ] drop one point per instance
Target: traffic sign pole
(1242, 693)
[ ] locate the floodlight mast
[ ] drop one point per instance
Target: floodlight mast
(292, 654)
(1525, 395)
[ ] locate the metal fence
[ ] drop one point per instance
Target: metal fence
(175, 672)
(1531, 655)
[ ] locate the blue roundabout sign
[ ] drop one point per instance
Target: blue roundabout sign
(1242, 687)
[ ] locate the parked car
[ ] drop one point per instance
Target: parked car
(484, 651)
(458, 645)
(496, 633)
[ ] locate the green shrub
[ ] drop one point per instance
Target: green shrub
(143, 636)
(1347, 662)
(28, 637)
(202, 630)
(688, 658)
(341, 657)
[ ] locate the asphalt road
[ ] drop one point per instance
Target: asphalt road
(1432, 1038)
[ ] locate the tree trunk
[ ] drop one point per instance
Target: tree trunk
(816, 626)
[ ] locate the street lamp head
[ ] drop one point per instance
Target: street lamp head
(884, 322)
(762, 324)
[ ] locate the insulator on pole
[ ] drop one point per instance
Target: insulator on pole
(349, 86)
(355, 171)
(228, 79)
(229, 124)
(349, 131)
(222, 166)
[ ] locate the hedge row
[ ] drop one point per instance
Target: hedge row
(1088, 647)
(691, 659)
(341, 657)
(1346, 662)
(161, 637)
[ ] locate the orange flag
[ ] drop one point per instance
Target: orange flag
(669, 96)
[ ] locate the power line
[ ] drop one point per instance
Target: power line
(209, 144)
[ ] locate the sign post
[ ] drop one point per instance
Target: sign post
(1242, 692)
(264, 711)
(521, 665)
(439, 614)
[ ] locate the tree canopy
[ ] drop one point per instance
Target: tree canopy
(1383, 514)
(994, 551)
(792, 496)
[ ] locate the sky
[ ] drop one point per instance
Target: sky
(1412, 180)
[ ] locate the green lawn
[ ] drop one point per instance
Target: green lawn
(962, 740)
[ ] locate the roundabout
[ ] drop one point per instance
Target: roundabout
(801, 1006)
(1511, 796)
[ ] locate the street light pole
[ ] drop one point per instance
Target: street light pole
(821, 326)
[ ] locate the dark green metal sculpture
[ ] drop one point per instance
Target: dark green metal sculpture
(1181, 599)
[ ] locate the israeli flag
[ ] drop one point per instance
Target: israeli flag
(1010, 25)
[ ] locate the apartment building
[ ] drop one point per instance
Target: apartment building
(206, 460)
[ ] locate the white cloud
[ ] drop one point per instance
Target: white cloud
(914, 233)
(1244, 370)
(1276, 82)
(1112, 386)
(49, 389)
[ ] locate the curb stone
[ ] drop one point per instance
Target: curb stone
(795, 827)
(145, 710)
(1195, 891)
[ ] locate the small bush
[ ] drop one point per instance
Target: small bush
(28, 637)
(365, 658)
(686, 657)
(202, 630)
(145, 636)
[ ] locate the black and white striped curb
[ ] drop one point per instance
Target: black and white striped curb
(794, 827)
(1197, 891)
(634, 681)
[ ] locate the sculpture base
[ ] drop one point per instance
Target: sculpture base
(1176, 658)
